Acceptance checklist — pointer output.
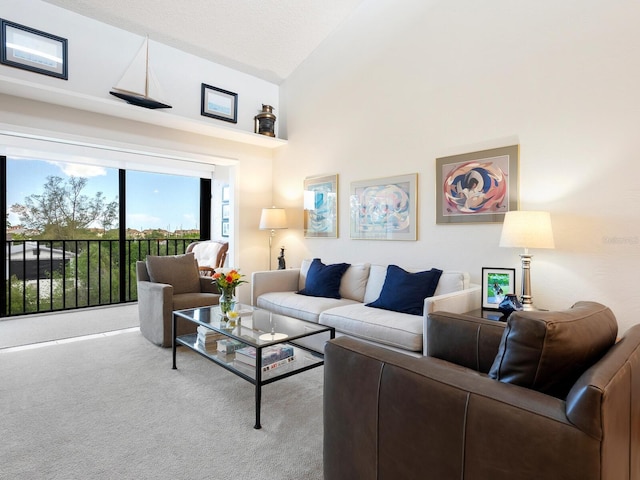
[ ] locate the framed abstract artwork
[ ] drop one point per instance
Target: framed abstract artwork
(478, 187)
(385, 208)
(496, 283)
(321, 207)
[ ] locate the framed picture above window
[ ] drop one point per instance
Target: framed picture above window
(321, 207)
(385, 208)
(477, 187)
(496, 283)
(30, 49)
(219, 103)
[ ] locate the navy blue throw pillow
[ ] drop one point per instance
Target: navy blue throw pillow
(324, 280)
(405, 291)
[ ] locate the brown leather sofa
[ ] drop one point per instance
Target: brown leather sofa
(548, 395)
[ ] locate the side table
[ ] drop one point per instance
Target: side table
(487, 314)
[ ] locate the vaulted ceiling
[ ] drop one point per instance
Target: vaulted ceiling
(264, 38)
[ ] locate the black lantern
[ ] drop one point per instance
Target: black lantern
(265, 121)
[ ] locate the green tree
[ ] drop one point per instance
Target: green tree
(63, 212)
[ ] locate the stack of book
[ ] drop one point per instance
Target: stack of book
(229, 345)
(207, 339)
(272, 357)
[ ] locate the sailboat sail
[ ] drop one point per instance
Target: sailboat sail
(138, 86)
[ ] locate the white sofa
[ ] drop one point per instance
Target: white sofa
(275, 291)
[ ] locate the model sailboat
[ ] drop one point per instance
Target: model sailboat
(138, 82)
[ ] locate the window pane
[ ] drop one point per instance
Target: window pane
(162, 206)
(63, 235)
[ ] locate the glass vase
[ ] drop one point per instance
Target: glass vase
(227, 303)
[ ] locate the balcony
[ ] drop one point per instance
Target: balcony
(57, 275)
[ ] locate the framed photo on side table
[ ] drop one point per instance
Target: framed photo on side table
(34, 50)
(496, 283)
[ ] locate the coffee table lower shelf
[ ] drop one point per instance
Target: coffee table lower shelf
(305, 359)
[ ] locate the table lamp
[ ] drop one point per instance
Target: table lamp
(527, 229)
(272, 219)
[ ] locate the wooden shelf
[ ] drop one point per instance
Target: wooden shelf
(114, 108)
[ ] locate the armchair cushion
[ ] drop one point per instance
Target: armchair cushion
(324, 280)
(405, 291)
(179, 271)
(548, 351)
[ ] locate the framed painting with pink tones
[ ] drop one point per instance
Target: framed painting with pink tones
(477, 187)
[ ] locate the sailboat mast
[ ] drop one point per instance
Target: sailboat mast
(146, 69)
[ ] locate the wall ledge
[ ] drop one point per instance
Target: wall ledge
(119, 109)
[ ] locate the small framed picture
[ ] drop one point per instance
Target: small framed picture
(220, 104)
(34, 50)
(225, 193)
(225, 211)
(225, 228)
(321, 207)
(496, 283)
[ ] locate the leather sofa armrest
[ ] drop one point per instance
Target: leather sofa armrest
(462, 339)
(454, 302)
(274, 281)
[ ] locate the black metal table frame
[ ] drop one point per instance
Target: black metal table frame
(257, 382)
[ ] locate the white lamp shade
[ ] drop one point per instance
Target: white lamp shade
(273, 219)
(525, 229)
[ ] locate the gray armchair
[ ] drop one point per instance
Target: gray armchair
(166, 284)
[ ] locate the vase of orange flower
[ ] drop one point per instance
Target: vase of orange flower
(227, 280)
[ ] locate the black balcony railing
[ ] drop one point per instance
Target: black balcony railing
(53, 275)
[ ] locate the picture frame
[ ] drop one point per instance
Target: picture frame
(34, 50)
(225, 211)
(496, 283)
(219, 103)
(225, 193)
(477, 187)
(385, 208)
(321, 206)
(225, 228)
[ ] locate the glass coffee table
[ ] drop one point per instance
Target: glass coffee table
(290, 346)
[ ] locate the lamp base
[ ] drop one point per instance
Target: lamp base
(526, 298)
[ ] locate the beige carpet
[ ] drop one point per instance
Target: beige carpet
(46, 327)
(111, 407)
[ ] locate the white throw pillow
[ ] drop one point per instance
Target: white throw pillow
(354, 282)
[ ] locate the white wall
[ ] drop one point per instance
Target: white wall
(401, 84)
(98, 56)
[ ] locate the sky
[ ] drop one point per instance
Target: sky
(154, 201)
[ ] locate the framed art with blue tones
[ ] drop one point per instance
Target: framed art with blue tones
(385, 208)
(321, 207)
